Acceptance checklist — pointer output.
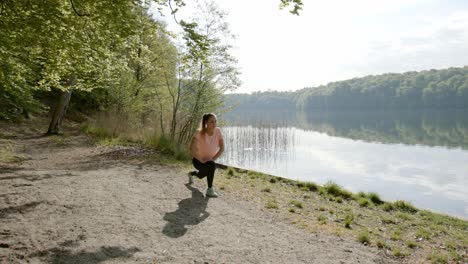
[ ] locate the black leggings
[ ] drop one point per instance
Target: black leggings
(205, 169)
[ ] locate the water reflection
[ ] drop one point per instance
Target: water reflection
(424, 164)
(447, 128)
(251, 147)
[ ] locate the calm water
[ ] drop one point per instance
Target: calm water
(418, 157)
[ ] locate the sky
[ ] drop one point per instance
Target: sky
(337, 40)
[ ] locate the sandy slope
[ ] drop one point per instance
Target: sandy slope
(72, 202)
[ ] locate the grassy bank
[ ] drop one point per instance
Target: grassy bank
(396, 227)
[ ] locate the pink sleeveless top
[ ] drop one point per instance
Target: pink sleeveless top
(208, 145)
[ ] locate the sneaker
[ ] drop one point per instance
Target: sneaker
(210, 192)
(190, 177)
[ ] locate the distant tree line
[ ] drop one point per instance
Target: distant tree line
(432, 89)
(269, 100)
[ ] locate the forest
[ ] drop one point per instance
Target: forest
(117, 62)
(430, 89)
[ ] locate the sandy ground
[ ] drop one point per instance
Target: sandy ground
(73, 202)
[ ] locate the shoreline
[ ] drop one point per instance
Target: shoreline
(244, 170)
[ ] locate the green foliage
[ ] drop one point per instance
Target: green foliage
(311, 186)
(271, 204)
(7, 153)
(423, 233)
(296, 203)
(375, 198)
(322, 219)
(411, 244)
(388, 220)
(297, 5)
(62, 45)
(349, 218)
(387, 207)
(426, 89)
(397, 234)
(381, 244)
(364, 202)
(433, 89)
(335, 190)
(363, 237)
(398, 252)
(438, 258)
(404, 206)
(96, 131)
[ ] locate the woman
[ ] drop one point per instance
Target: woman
(206, 146)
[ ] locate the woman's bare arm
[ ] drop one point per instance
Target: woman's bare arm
(221, 149)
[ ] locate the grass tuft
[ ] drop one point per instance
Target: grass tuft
(349, 218)
(404, 206)
(363, 237)
(387, 207)
(296, 203)
(381, 244)
(398, 252)
(375, 198)
(322, 219)
(364, 202)
(411, 244)
(272, 204)
(438, 258)
(334, 189)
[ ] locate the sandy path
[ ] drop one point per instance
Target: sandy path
(76, 203)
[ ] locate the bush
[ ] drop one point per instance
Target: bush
(296, 204)
(375, 198)
(322, 219)
(381, 244)
(404, 206)
(271, 204)
(411, 244)
(349, 217)
(387, 207)
(364, 202)
(335, 190)
(311, 186)
(363, 237)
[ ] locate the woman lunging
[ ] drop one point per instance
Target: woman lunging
(206, 146)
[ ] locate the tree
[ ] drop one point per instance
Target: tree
(204, 79)
(69, 44)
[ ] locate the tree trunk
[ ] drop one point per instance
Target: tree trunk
(60, 109)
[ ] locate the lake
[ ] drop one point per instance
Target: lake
(419, 157)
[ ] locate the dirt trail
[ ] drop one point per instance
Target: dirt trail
(73, 202)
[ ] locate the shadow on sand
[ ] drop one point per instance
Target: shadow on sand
(20, 209)
(191, 211)
(62, 255)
